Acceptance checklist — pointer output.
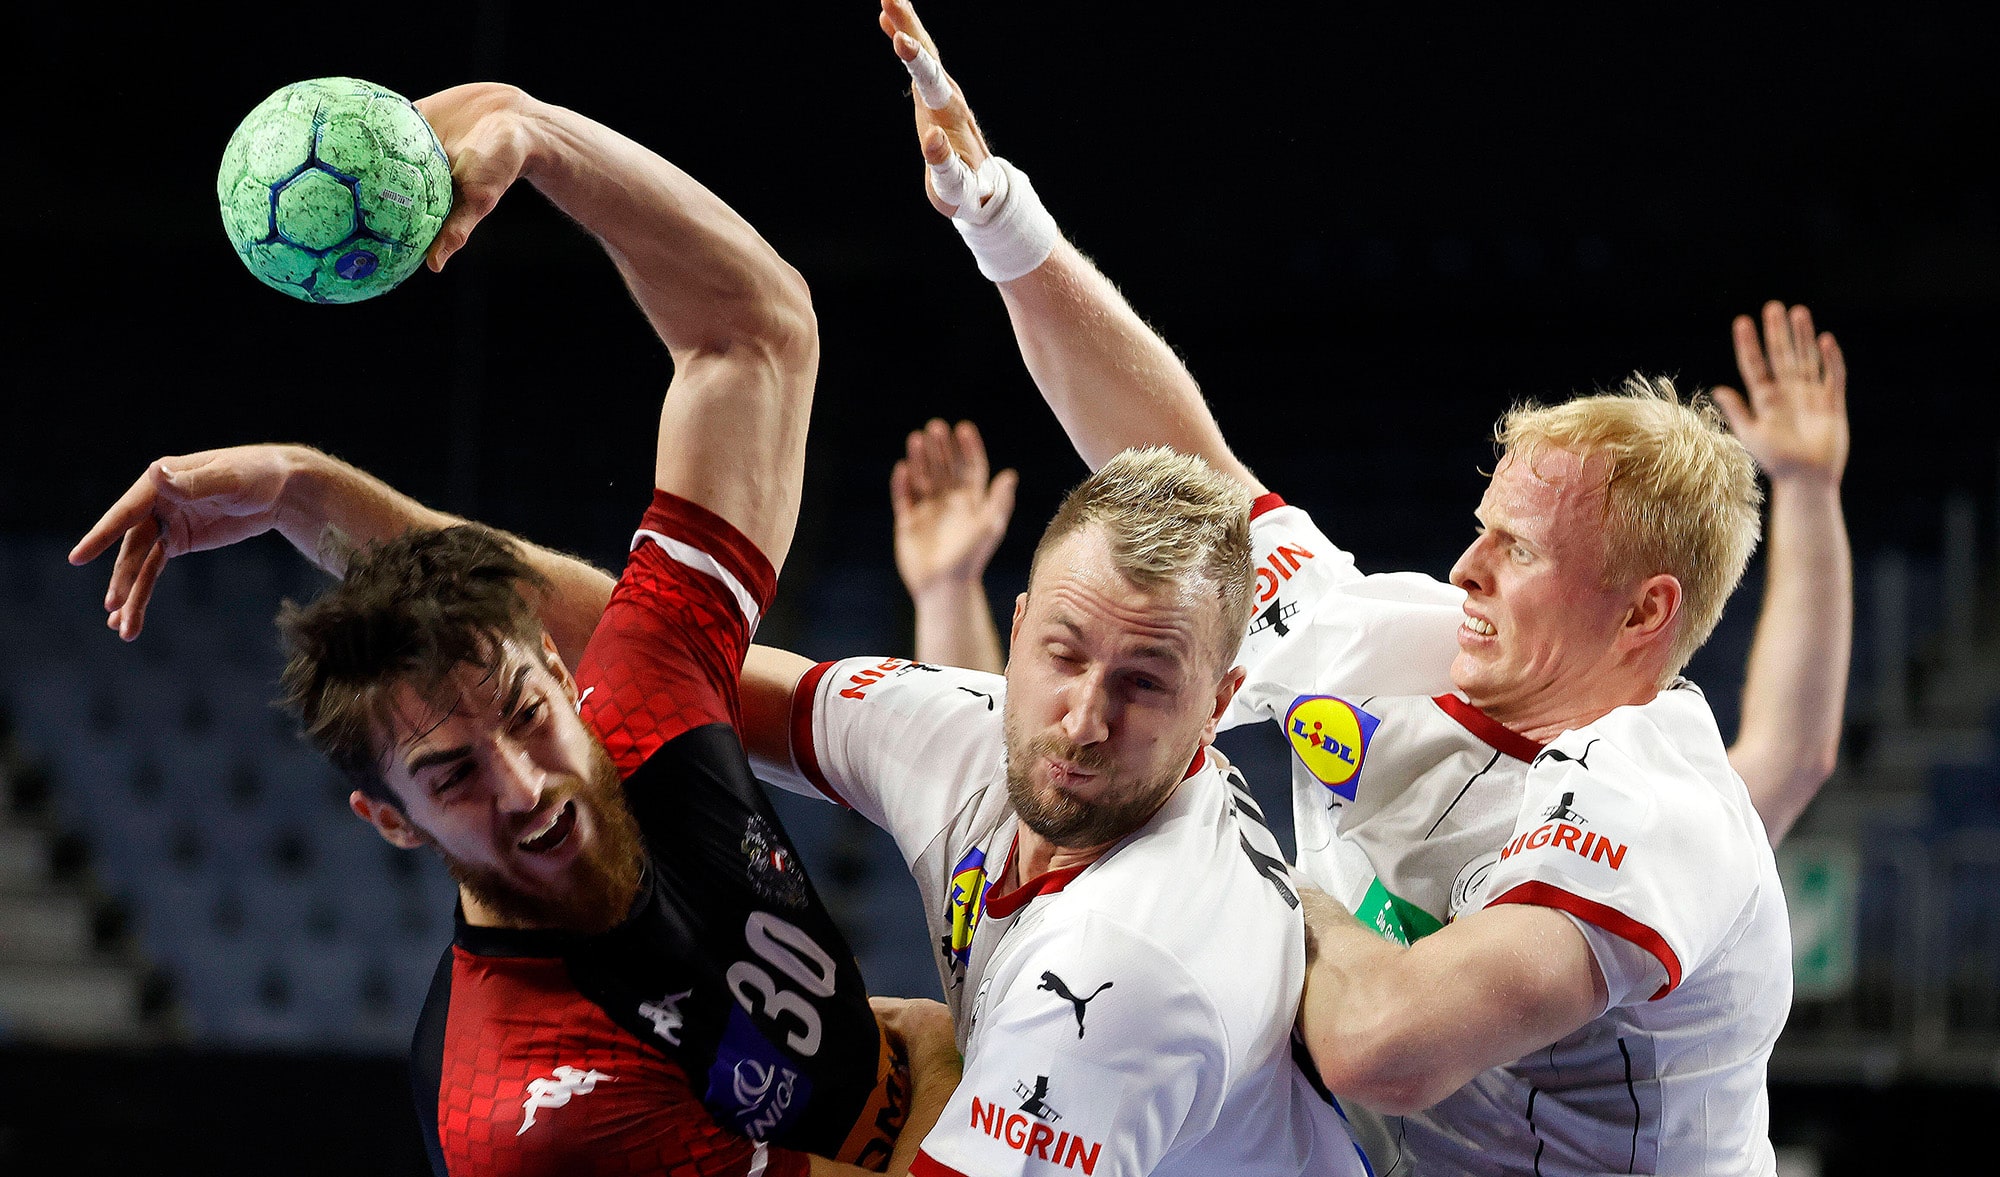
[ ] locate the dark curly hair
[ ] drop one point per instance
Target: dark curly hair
(409, 610)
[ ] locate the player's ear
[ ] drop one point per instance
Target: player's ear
(387, 820)
(1225, 693)
(1654, 606)
(1020, 611)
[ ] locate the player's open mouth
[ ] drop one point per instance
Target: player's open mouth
(1479, 625)
(554, 833)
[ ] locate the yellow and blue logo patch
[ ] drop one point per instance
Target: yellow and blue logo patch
(1330, 737)
(965, 903)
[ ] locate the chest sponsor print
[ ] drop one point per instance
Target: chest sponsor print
(965, 903)
(1028, 1127)
(1564, 831)
(1330, 737)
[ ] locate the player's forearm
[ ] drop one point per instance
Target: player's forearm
(1397, 1029)
(1795, 687)
(932, 1080)
(954, 624)
(1112, 381)
(329, 507)
(702, 274)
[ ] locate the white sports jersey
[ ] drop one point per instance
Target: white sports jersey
(1413, 808)
(1130, 1016)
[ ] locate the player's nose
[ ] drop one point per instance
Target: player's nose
(517, 780)
(1086, 716)
(1469, 571)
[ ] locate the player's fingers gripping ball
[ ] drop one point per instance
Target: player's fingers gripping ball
(332, 189)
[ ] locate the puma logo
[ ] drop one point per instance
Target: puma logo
(1055, 985)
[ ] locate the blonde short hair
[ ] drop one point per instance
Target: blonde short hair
(1682, 496)
(1169, 517)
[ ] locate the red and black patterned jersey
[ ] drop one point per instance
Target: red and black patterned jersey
(722, 1028)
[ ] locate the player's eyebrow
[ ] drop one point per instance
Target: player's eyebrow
(514, 687)
(1156, 652)
(437, 756)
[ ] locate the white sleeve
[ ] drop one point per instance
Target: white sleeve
(901, 743)
(1626, 858)
(1102, 1054)
(1321, 627)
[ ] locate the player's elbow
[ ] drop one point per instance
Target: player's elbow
(1380, 1075)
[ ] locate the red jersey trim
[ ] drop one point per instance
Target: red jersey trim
(804, 753)
(924, 1165)
(1539, 894)
(1268, 501)
(1489, 730)
(1047, 883)
(692, 523)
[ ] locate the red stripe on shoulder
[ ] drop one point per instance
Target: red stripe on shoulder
(1268, 501)
(1535, 893)
(803, 751)
(1490, 731)
(687, 520)
(924, 1165)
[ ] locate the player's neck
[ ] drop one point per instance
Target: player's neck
(1036, 856)
(1542, 720)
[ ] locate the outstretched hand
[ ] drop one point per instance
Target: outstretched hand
(483, 128)
(1794, 419)
(950, 516)
(952, 144)
(190, 503)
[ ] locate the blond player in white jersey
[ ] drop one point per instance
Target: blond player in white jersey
(1118, 937)
(1513, 749)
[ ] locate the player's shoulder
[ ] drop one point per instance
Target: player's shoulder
(1199, 886)
(1669, 747)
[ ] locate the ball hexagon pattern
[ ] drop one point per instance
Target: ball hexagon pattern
(331, 189)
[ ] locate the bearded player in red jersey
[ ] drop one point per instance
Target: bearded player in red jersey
(642, 978)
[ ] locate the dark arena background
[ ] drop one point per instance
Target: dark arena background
(1369, 229)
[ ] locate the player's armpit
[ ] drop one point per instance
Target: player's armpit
(1398, 1029)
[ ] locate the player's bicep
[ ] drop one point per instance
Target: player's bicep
(732, 437)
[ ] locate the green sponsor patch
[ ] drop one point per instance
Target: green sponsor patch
(1394, 917)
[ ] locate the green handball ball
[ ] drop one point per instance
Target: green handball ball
(331, 189)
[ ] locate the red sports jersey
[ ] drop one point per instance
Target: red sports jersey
(724, 1023)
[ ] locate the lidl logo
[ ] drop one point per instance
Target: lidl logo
(1330, 737)
(965, 903)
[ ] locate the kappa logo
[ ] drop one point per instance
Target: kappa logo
(1330, 737)
(1274, 618)
(1035, 1100)
(1055, 985)
(563, 1085)
(665, 1014)
(1277, 568)
(963, 905)
(1032, 1138)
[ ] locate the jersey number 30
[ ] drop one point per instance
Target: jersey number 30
(787, 948)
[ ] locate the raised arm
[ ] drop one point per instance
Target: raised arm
(1112, 381)
(950, 516)
(323, 506)
(736, 318)
(1792, 416)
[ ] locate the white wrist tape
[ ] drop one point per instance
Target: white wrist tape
(1001, 218)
